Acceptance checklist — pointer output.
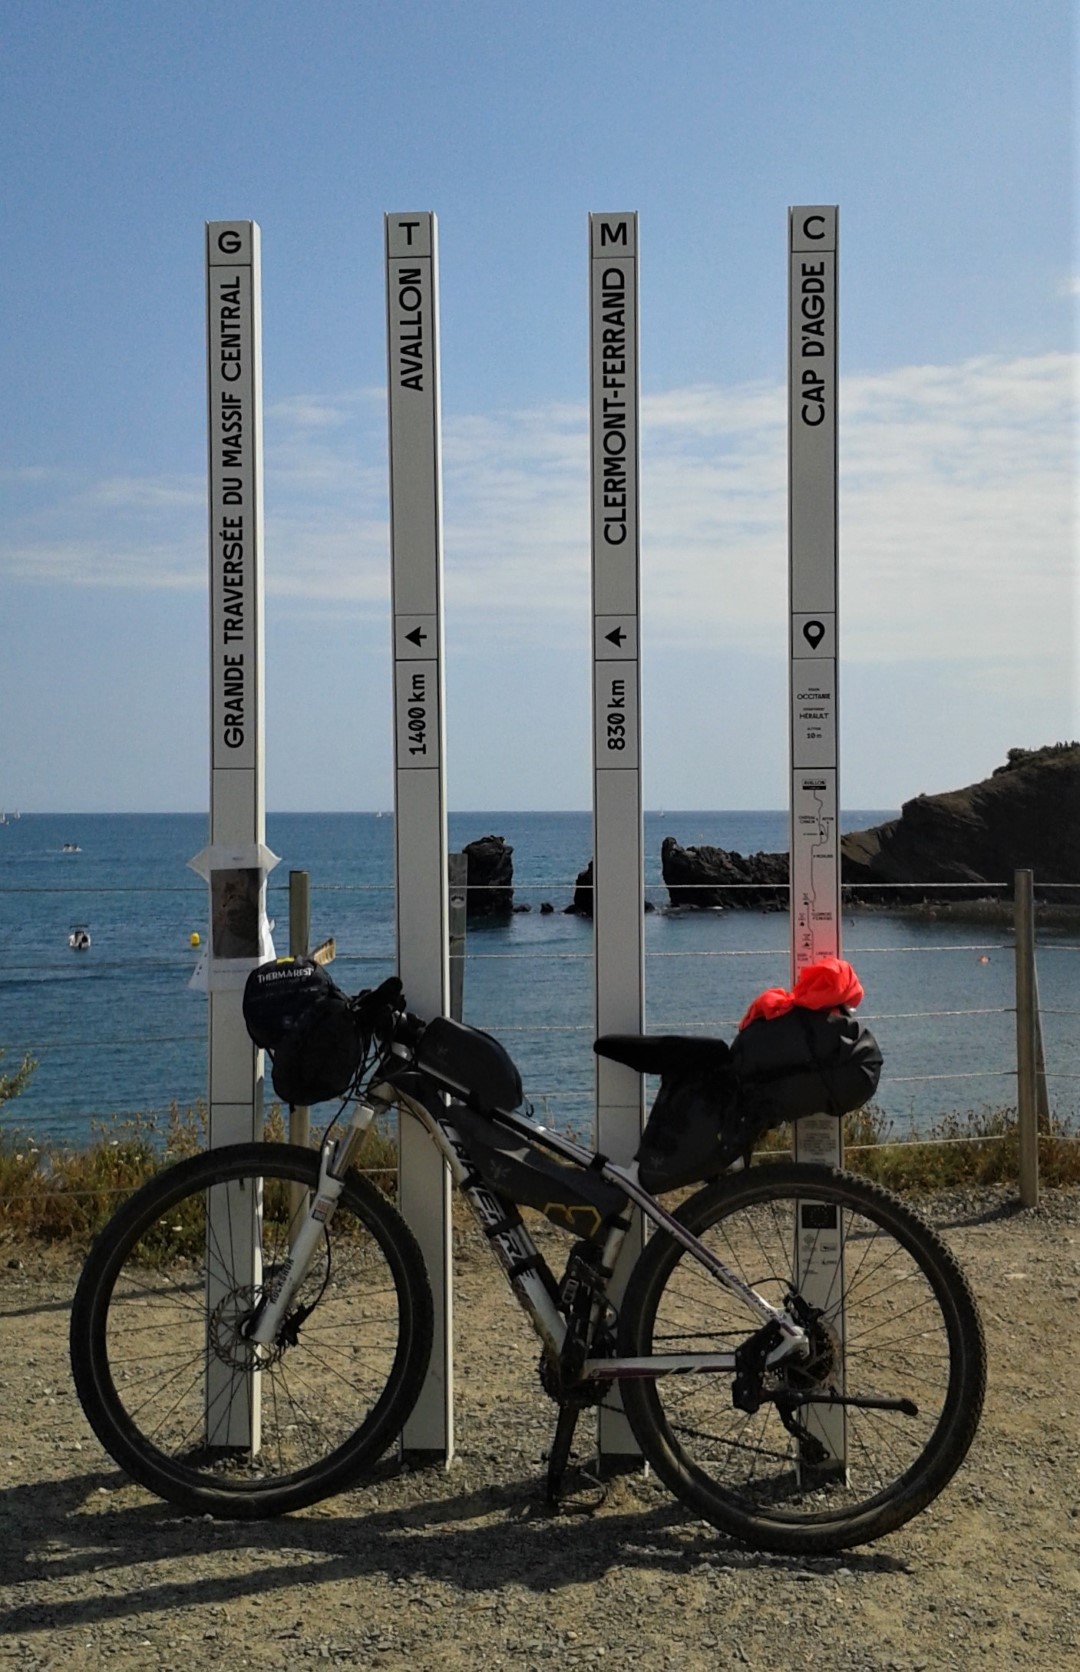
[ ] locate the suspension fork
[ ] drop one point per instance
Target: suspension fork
(335, 1159)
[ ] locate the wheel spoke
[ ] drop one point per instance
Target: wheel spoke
(898, 1322)
(177, 1394)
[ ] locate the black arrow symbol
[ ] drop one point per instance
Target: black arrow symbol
(616, 637)
(416, 637)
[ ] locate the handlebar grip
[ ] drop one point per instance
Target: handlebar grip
(408, 1028)
(376, 1008)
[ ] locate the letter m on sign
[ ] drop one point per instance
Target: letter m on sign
(612, 233)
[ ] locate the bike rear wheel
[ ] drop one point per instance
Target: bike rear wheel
(169, 1384)
(897, 1321)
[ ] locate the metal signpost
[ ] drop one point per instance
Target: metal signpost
(236, 862)
(814, 759)
(618, 869)
(419, 774)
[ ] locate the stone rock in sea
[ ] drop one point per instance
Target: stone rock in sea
(582, 903)
(489, 886)
(715, 878)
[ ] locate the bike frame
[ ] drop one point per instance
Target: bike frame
(528, 1274)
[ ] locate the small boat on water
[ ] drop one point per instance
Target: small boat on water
(71, 847)
(79, 938)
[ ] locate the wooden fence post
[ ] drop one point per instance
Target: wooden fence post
(1027, 1100)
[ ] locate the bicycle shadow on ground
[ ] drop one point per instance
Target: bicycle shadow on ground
(145, 1560)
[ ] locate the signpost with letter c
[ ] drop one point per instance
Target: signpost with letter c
(813, 568)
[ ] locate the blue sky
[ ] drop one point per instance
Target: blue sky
(946, 133)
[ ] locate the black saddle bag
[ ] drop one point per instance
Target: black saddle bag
(308, 1025)
(806, 1062)
(695, 1128)
(712, 1110)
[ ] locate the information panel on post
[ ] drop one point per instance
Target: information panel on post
(618, 867)
(813, 549)
(419, 775)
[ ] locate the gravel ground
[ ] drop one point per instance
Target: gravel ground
(462, 1567)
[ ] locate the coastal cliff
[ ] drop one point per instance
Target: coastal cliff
(1026, 815)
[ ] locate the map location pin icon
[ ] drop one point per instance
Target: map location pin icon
(813, 633)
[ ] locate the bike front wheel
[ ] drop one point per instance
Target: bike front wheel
(177, 1395)
(851, 1441)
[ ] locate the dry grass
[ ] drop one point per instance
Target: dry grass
(54, 1193)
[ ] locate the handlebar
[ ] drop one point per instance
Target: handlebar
(381, 1014)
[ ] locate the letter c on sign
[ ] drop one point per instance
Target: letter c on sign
(229, 243)
(806, 226)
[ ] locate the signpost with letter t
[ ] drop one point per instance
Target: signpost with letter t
(813, 250)
(419, 774)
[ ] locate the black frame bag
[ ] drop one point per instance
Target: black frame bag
(308, 1025)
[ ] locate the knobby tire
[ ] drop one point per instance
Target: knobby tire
(911, 1330)
(165, 1376)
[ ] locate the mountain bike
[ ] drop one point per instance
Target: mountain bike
(798, 1354)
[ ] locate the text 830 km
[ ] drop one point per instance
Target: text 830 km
(616, 715)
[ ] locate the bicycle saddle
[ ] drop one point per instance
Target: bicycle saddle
(663, 1053)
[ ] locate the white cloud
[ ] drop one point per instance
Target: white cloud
(957, 515)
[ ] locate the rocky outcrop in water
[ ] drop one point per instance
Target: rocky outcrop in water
(582, 903)
(489, 890)
(1026, 815)
(708, 877)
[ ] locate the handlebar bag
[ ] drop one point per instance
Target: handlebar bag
(309, 1026)
(806, 1062)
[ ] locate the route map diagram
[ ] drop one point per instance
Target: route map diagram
(813, 866)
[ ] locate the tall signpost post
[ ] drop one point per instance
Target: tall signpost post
(618, 869)
(236, 861)
(419, 773)
(813, 251)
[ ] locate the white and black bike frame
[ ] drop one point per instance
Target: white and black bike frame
(523, 1265)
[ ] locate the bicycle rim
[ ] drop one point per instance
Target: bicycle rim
(897, 1322)
(176, 1394)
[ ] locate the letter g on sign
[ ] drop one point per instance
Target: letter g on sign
(230, 241)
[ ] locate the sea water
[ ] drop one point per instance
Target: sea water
(118, 1030)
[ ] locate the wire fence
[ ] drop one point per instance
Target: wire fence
(714, 974)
